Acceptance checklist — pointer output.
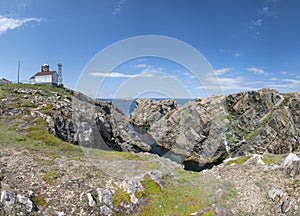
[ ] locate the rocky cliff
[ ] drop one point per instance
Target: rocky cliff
(78, 119)
(42, 175)
(211, 129)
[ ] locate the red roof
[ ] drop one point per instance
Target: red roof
(44, 73)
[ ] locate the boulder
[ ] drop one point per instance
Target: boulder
(7, 199)
(105, 197)
(288, 161)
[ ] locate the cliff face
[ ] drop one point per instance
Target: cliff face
(42, 175)
(209, 130)
(263, 121)
(78, 119)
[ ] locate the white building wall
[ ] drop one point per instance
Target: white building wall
(43, 79)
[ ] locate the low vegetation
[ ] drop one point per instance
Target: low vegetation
(238, 161)
(121, 197)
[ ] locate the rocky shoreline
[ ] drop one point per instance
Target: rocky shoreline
(251, 136)
(211, 129)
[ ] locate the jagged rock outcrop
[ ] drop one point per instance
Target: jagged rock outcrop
(263, 121)
(84, 121)
(148, 111)
(208, 130)
(191, 129)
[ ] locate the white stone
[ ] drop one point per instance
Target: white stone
(91, 200)
(290, 159)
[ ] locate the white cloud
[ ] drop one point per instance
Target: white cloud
(118, 8)
(237, 83)
(256, 23)
(141, 66)
(293, 81)
(284, 72)
(7, 23)
(237, 53)
(257, 71)
(265, 10)
(119, 75)
(286, 85)
(222, 71)
(146, 68)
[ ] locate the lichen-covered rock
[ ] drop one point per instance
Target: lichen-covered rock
(105, 197)
(7, 199)
(30, 205)
(148, 111)
(208, 130)
(86, 122)
(263, 121)
(195, 130)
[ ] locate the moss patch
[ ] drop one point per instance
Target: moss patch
(238, 161)
(150, 187)
(50, 177)
(120, 197)
(209, 213)
(40, 201)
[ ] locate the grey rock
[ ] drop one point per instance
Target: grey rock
(30, 205)
(105, 197)
(148, 111)
(90, 123)
(7, 199)
(210, 129)
(194, 130)
(275, 193)
(287, 205)
(293, 170)
(105, 211)
(131, 186)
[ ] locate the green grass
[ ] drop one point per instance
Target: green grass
(229, 138)
(39, 132)
(251, 134)
(35, 138)
(209, 213)
(230, 118)
(50, 177)
(150, 187)
(185, 193)
(46, 109)
(238, 161)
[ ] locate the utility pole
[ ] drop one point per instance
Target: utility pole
(19, 72)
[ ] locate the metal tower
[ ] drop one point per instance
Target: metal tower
(59, 81)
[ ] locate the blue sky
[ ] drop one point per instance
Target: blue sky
(250, 44)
